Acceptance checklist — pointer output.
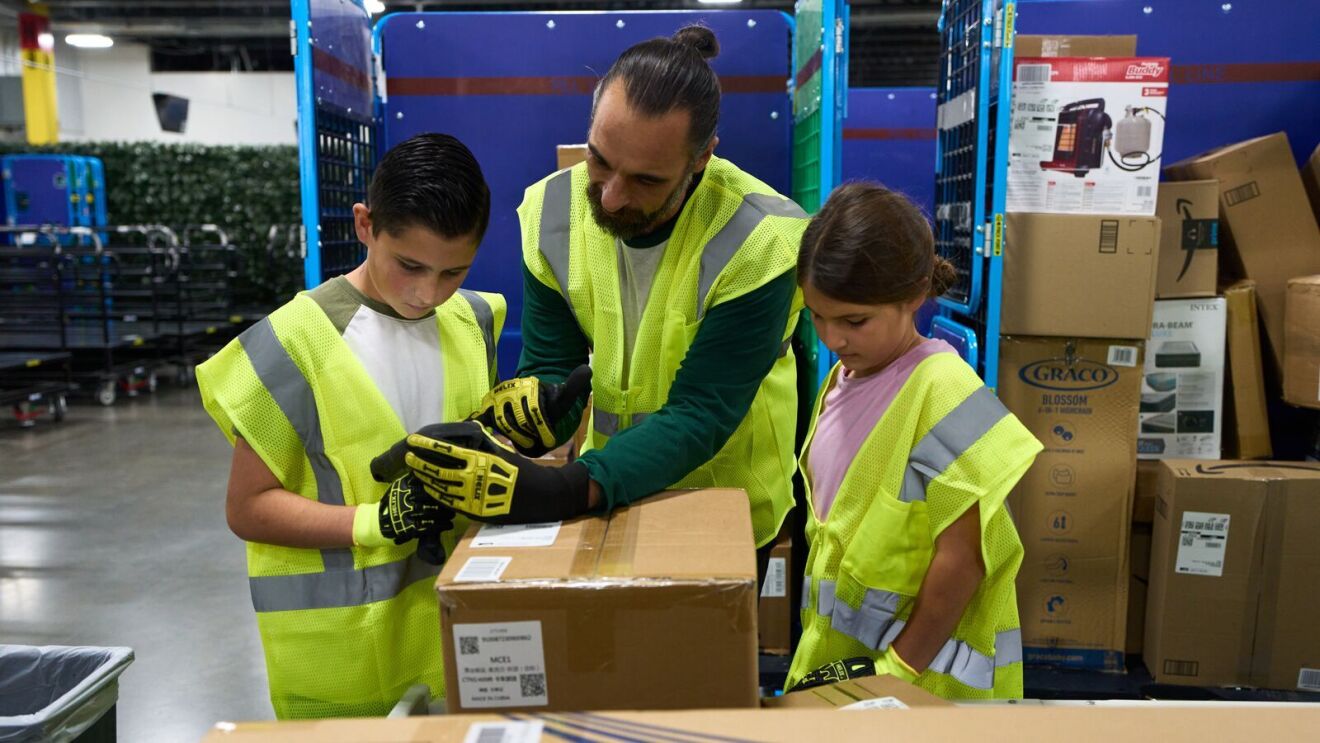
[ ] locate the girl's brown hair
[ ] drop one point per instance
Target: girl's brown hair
(870, 245)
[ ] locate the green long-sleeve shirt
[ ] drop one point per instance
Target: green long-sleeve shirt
(732, 353)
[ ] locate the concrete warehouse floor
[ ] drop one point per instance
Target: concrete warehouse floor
(112, 532)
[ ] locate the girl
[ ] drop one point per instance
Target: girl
(908, 462)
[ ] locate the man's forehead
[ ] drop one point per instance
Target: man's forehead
(634, 143)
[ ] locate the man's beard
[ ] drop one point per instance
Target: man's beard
(628, 223)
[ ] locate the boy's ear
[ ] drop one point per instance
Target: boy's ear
(362, 224)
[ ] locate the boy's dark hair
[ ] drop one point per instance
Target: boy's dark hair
(664, 74)
(430, 181)
(870, 245)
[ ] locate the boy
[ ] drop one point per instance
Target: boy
(310, 394)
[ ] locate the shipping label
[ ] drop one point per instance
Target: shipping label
(776, 579)
(1202, 544)
(517, 535)
(500, 665)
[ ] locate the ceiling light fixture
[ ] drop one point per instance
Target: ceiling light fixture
(719, 2)
(374, 6)
(89, 41)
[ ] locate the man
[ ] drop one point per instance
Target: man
(673, 270)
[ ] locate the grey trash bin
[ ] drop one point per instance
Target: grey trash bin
(59, 694)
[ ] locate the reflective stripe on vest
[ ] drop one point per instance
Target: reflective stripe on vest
(285, 382)
(340, 584)
(717, 253)
(875, 625)
(948, 439)
(553, 242)
(337, 588)
(607, 424)
(485, 321)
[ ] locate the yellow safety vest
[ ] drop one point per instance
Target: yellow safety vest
(734, 236)
(346, 630)
(944, 444)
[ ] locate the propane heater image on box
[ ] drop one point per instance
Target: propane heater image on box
(1086, 132)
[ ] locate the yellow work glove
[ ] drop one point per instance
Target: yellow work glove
(889, 663)
(405, 513)
(527, 410)
(464, 467)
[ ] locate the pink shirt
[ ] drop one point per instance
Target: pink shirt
(852, 410)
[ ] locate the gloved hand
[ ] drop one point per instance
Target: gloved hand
(527, 410)
(405, 513)
(464, 467)
(889, 663)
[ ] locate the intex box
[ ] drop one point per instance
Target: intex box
(1073, 507)
(1087, 134)
(1234, 560)
(1182, 392)
(653, 607)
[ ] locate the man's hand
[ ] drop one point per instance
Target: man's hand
(527, 410)
(464, 467)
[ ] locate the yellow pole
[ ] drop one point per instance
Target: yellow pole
(37, 46)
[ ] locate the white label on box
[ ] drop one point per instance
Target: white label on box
(776, 579)
(1122, 355)
(880, 703)
(517, 535)
(482, 570)
(505, 732)
(1309, 679)
(500, 665)
(1203, 544)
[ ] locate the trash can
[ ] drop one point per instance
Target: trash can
(59, 694)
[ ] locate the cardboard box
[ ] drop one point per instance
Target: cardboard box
(1074, 46)
(1311, 180)
(653, 607)
(1301, 343)
(1086, 134)
(1138, 584)
(1079, 276)
(1189, 239)
(1073, 508)
(1182, 392)
(1233, 575)
(1246, 419)
(865, 692)
(1267, 231)
(568, 155)
(993, 724)
(775, 612)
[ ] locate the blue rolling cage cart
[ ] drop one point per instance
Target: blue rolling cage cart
(512, 87)
(972, 120)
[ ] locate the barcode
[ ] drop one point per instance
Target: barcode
(1309, 679)
(469, 646)
(1241, 193)
(1033, 73)
(1122, 355)
(532, 684)
(1144, 191)
(775, 579)
(1187, 540)
(1109, 236)
(1181, 668)
(505, 732)
(482, 569)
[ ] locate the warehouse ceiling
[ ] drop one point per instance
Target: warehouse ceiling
(894, 42)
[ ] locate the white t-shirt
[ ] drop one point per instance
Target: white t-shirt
(637, 268)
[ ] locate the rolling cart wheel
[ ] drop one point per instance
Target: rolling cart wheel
(105, 394)
(152, 382)
(59, 407)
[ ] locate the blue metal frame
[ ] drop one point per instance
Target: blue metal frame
(12, 165)
(959, 336)
(302, 75)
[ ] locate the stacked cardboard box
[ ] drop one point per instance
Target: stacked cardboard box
(1081, 253)
(1233, 572)
(775, 613)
